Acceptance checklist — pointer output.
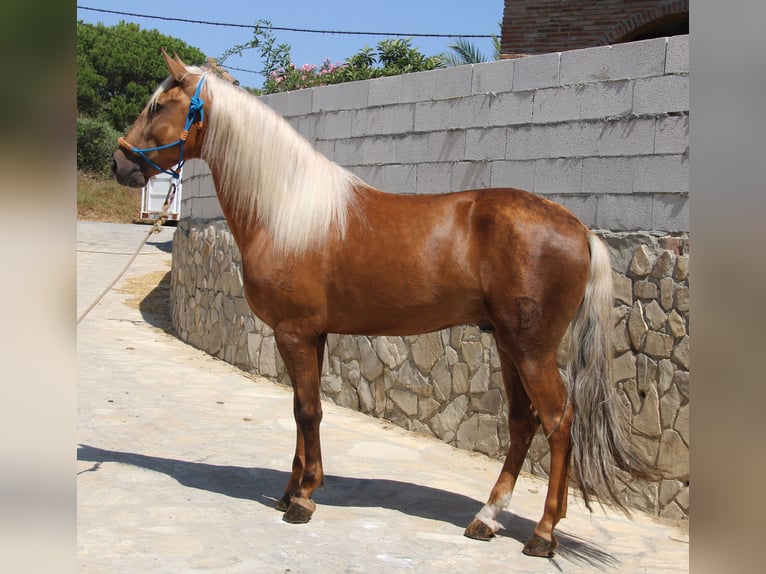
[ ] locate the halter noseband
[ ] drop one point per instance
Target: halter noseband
(196, 114)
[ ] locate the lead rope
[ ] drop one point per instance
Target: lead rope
(156, 228)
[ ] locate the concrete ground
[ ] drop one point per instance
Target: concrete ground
(181, 458)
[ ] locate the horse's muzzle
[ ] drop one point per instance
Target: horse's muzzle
(127, 171)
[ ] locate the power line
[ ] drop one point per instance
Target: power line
(285, 29)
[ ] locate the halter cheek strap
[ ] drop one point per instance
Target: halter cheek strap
(196, 114)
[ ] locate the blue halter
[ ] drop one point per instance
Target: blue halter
(196, 114)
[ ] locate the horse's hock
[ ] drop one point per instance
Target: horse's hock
(631, 182)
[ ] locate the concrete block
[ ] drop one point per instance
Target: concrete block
(418, 87)
(637, 59)
(492, 77)
(383, 120)
(385, 91)
(277, 102)
(558, 104)
(672, 135)
(584, 66)
(607, 175)
(433, 178)
(516, 174)
(677, 57)
(348, 151)
(534, 72)
(661, 95)
(337, 124)
(326, 98)
(485, 144)
(553, 141)
(395, 178)
(584, 207)
(626, 137)
(453, 82)
(310, 126)
(560, 176)
(439, 146)
(470, 175)
(447, 114)
(299, 102)
(606, 99)
(326, 148)
(377, 150)
(510, 108)
(624, 212)
(354, 95)
(661, 174)
(670, 212)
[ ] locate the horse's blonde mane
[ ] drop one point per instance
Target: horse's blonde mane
(270, 174)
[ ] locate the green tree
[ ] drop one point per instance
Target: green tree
(119, 66)
(465, 52)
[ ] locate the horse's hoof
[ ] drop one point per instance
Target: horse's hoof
(539, 546)
(284, 503)
(299, 511)
(478, 530)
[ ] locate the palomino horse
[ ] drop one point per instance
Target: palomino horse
(323, 252)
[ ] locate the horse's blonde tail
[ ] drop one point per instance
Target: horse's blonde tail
(599, 441)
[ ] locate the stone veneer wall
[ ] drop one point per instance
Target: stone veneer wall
(448, 384)
(604, 131)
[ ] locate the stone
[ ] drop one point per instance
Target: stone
(392, 351)
(409, 378)
(655, 316)
(441, 380)
(646, 373)
(445, 424)
(623, 288)
(426, 350)
(624, 367)
(668, 491)
(681, 353)
(332, 384)
(467, 433)
(473, 354)
(682, 298)
(664, 265)
(369, 364)
(427, 407)
(676, 324)
(647, 421)
(669, 406)
(681, 424)
(460, 378)
(366, 400)
(645, 290)
(658, 345)
(487, 440)
(490, 402)
(673, 456)
(665, 378)
(637, 327)
(681, 380)
(378, 389)
(620, 337)
(646, 448)
(348, 397)
(682, 268)
(350, 372)
(641, 264)
(480, 379)
(667, 289)
(407, 401)
(253, 347)
(267, 359)
(630, 391)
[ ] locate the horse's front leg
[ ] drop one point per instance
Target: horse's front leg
(302, 351)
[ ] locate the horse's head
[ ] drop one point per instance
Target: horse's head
(169, 129)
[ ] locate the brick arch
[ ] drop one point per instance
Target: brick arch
(634, 25)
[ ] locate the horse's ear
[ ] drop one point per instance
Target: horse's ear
(176, 67)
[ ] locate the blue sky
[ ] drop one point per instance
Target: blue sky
(405, 16)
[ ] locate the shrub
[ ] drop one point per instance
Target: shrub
(96, 141)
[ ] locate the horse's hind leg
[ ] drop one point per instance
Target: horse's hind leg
(522, 424)
(302, 354)
(546, 389)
